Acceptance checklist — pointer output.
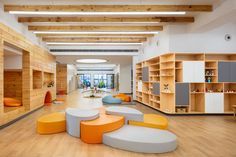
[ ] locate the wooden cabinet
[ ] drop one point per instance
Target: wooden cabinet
(193, 71)
(214, 103)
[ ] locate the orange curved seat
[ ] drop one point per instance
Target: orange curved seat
(92, 131)
(123, 97)
(11, 102)
(51, 123)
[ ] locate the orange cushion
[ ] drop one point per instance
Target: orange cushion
(123, 97)
(11, 102)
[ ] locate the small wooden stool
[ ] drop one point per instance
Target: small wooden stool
(234, 108)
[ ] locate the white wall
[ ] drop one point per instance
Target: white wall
(125, 78)
(72, 83)
(12, 62)
(181, 40)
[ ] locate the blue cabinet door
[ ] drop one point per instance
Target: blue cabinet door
(224, 72)
(182, 94)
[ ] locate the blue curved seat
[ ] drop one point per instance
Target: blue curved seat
(111, 100)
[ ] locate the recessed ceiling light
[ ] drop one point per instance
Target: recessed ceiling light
(96, 13)
(60, 43)
(55, 32)
(91, 60)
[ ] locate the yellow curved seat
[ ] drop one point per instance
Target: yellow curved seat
(51, 123)
(151, 121)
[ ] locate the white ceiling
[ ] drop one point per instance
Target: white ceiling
(110, 59)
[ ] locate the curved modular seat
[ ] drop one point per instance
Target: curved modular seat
(141, 139)
(51, 123)
(123, 97)
(110, 100)
(11, 102)
(92, 131)
(74, 116)
(151, 121)
(127, 112)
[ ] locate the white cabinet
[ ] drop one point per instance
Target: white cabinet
(214, 102)
(140, 86)
(193, 71)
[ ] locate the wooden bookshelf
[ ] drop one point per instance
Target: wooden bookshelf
(168, 70)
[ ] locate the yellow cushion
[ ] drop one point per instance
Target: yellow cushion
(51, 123)
(11, 102)
(152, 121)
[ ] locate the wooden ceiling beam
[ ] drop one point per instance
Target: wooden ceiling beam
(96, 28)
(81, 40)
(109, 8)
(105, 19)
(94, 35)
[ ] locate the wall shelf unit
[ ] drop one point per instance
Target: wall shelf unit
(37, 79)
(187, 83)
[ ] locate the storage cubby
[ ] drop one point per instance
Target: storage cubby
(48, 79)
(145, 98)
(220, 57)
(211, 73)
(178, 71)
(139, 96)
(145, 87)
(229, 101)
(214, 87)
(189, 57)
(230, 88)
(197, 88)
(138, 71)
(37, 79)
(197, 103)
(155, 101)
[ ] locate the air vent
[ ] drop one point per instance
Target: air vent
(93, 50)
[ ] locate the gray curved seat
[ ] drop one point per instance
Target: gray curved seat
(141, 139)
(74, 116)
(127, 112)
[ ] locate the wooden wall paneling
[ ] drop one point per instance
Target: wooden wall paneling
(34, 57)
(13, 84)
(61, 80)
(26, 79)
(1, 75)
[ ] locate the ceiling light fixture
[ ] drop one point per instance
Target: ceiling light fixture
(64, 43)
(95, 13)
(55, 32)
(91, 61)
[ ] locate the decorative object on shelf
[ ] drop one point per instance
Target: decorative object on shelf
(166, 88)
(230, 91)
(181, 110)
(209, 79)
(51, 84)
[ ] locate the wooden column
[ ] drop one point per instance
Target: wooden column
(26, 79)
